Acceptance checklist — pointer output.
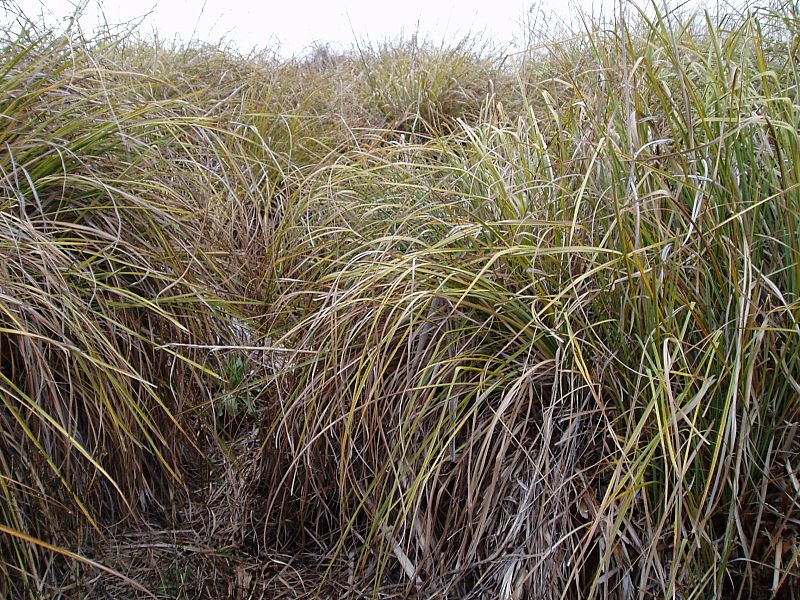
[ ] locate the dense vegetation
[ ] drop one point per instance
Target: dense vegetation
(407, 321)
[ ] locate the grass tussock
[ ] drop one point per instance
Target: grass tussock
(406, 321)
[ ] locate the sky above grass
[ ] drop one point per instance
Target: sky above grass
(297, 25)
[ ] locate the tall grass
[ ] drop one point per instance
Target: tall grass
(408, 322)
(99, 268)
(556, 351)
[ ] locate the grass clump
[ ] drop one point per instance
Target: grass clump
(95, 250)
(556, 349)
(517, 331)
(415, 88)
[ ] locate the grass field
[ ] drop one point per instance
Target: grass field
(408, 321)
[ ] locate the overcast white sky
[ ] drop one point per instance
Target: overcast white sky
(296, 25)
